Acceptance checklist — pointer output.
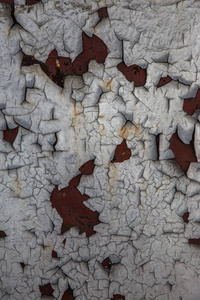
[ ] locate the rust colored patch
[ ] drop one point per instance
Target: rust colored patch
(68, 295)
(106, 263)
(54, 254)
(46, 290)
(122, 152)
(103, 13)
(69, 204)
(9, 135)
(118, 297)
(192, 104)
(22, 265)
(2, 234)
(32, 2)
(57, 68)
(194, 241)
(87, 168)
(133, 73)
(185, 217)
(184, 154)
(164, 80)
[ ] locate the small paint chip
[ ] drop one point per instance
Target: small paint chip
(163, 81)
(106, 263)
(68, 295)
(46, 290)
(122, 152)
(185, 217)
(2, 234)
(87, 168)
(9, 135)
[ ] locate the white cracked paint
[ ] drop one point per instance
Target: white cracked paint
(141, 200)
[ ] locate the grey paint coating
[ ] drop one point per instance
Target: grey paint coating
(141, 200)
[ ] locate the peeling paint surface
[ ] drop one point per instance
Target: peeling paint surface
(100, 150)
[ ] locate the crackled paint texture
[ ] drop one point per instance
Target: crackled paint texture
(100, 149)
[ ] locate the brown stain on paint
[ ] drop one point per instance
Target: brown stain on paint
(57, 68)
(192, 104)
(68, 295)
(17, 187)
(184, 154)
(122, 152)
(108, 85)
(48, 247)
(133, 73)
(163, 81)
(46, 290)
(9, 135)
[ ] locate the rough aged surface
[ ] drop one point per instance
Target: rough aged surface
(100, 149)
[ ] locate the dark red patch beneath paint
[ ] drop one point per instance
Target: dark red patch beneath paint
(54, 254)
(46, 290)
(2, 234)
(185, 217)
(164, 80)
(9, 135)
(133, 73)
(57, 68)
(118, 297)
(192, 104)
(22, 265)
(32, 2)
(103, 13)
(69, 204)
(194, 241)
(87, 168)
(122, 152)
(106, 263)
(184, 154)
(68, 295)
